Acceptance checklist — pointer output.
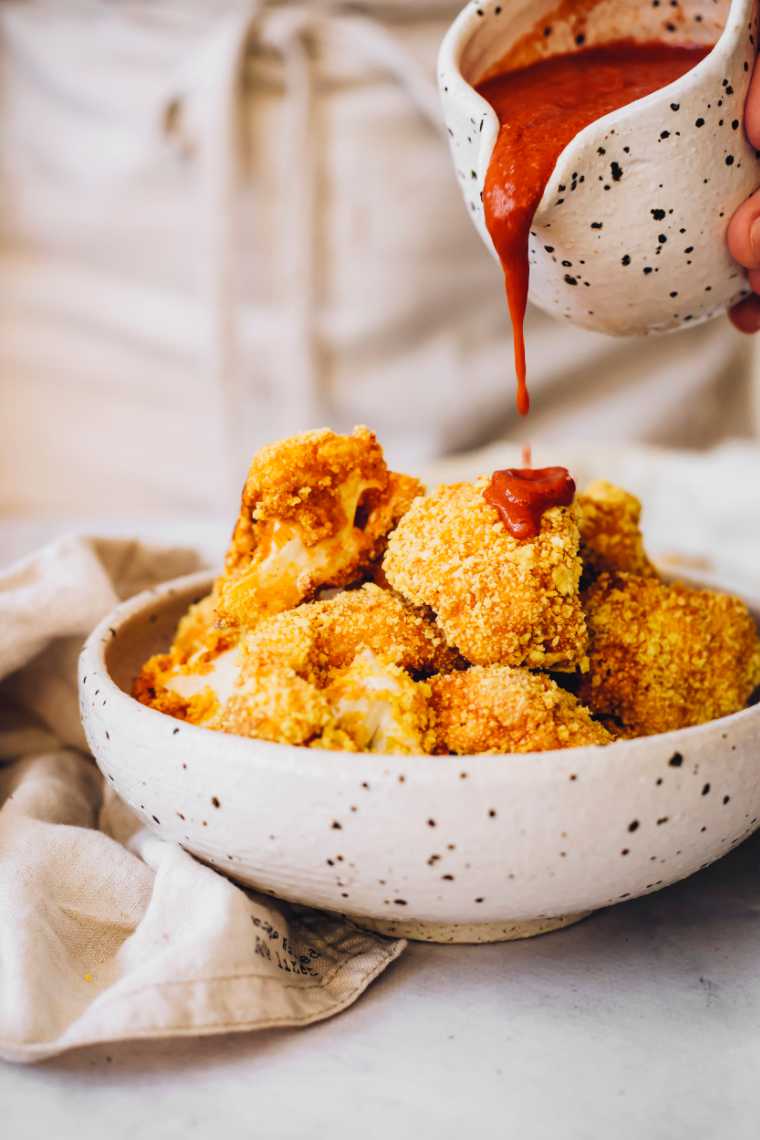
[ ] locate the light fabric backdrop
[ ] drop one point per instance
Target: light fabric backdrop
(225, 222)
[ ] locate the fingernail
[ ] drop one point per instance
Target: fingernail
(754, 240)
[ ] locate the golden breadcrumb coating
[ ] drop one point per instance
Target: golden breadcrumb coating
(369, 706)
(274, 704)
(199, 708)
(274, 684)
(342, 663)
(173, 682)
(611, 538)
(315, 511)
(497, 599)
(667, 656)
(377, 707)
(198, 628)
(501, 709)
(318, 637)
(281, 651)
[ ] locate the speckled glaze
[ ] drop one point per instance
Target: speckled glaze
(629, 237)
(445, 848)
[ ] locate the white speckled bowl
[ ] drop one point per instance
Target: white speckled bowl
(629, 236)
(442, 848)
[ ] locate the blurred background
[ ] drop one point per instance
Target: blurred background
(223, 223)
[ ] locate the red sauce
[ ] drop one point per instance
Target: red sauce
(541, 108)
(521, 495)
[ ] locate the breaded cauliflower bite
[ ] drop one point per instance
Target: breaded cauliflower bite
(498, 600)
(501, 709)
(611, 538)
(196, 676)
(666, 656)
(314, 674)
(377, 707)
(274, 704)
(333, 674)
(319, 637)
(315, 511)
(368, 706)
(355, 614)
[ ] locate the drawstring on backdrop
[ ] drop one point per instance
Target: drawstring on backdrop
(216, 80)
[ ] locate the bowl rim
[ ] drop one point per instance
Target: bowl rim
(92, 660)
(463, 28)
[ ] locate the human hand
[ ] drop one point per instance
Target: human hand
(743, 234)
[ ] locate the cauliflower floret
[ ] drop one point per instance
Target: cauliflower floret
(319, 637)
(501, 709)
(498, 600)
(194, 679)
(272, 683)
(666, 656)
(377, 707)
(274, 704)
(337, 669)
(611, 538)
(315, 511)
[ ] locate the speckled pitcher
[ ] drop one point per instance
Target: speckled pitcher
(629, 236)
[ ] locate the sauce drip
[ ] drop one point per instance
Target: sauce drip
(541, 108)
(521, 495)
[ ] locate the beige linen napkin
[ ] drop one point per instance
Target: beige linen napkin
(106, 931)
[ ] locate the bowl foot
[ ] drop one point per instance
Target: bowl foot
(469, 931)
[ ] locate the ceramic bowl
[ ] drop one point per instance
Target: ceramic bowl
(629, 237)
(444, 848)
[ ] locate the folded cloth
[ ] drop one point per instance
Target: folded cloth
(107, 932)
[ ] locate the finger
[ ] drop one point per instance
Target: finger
(746, 315)
(752, 108)
(743, 233)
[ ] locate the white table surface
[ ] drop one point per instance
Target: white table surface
(641, 1023)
